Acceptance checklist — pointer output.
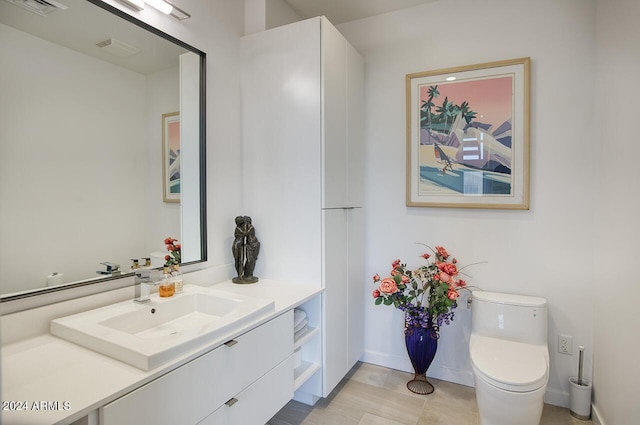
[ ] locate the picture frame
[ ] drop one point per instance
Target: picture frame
(468, 136)
(171, 157)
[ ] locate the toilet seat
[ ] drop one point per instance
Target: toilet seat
(509, 365)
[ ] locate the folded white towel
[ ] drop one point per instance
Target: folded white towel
(300, 332)
(300, 325)
(298, 316)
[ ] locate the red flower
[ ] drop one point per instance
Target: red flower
(376, 293)
(448, 268)
(395, 264)
(167, 257)
(426, 255)
(452, 294)
(442, 252)
(376, 277)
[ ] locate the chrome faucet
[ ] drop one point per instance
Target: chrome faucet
(143, 283)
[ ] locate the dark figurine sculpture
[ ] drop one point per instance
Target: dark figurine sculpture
(245, 250)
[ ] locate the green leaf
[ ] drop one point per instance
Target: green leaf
(379, 300)
(388, 301)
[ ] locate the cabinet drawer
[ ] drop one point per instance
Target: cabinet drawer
(241, 362)
(258, 403)
(191, 392)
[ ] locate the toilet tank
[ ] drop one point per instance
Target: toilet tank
(508, 316)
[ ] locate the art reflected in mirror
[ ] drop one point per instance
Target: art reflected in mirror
(171, 156)
(81, 135)
(245, 249)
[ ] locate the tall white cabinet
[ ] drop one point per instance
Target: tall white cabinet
(303, 100)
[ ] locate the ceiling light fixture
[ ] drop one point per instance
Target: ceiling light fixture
(162, 5)
(134, 4)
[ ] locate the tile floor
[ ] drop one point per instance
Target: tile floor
(374, 395)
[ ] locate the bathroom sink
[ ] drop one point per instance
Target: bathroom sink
(149, 335)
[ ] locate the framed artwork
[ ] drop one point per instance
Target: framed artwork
(171, 156)
(468, 136)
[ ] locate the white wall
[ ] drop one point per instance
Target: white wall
(546, 251)
(74, 118)
(278, 12)
(616, 322)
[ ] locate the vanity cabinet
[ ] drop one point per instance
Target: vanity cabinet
(255, 369)
(302, 100)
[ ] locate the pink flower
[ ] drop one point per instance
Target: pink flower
(388, 286)
(395, 264)
(426, 255)
(445, 277)
(405, 279)
(376, 277)
(452, 294)
(395, 272)
(376, 293)
(448, 268)
(442, 252)
(461, 283)
(167, 257)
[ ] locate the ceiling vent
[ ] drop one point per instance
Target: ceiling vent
(117, 48)
(39, 7)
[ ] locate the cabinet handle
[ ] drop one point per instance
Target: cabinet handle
(231, 343)
(231, 402)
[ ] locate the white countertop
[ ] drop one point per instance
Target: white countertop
(49, 369)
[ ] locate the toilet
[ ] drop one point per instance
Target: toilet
(509, 356)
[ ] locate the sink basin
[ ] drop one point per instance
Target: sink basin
(149, 335)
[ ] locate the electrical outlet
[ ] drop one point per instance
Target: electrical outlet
(565, 344)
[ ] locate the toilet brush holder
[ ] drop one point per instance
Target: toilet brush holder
(580, 398)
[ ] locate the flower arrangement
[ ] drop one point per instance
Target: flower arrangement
(427, 295)
(175, 250)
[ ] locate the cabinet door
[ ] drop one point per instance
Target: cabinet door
(335, 297)
(334, 114)
(355, 127)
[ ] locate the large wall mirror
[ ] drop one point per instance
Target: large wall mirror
(88, 94)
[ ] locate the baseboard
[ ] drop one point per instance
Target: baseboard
(556, 397)
(435, 371)
(595, 417)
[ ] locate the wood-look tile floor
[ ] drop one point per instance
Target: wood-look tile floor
(374, 395)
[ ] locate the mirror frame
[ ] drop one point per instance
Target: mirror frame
(202, 152)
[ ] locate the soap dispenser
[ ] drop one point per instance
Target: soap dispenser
(177, 278)
(167, 287)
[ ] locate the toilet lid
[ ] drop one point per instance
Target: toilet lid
(512, 366)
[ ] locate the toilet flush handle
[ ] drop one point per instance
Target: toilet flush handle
(469, 301)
